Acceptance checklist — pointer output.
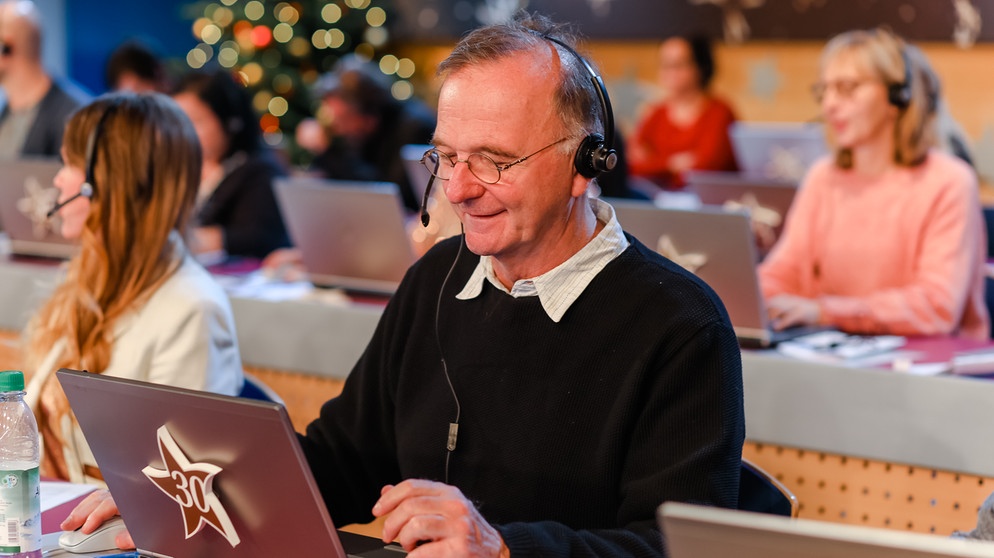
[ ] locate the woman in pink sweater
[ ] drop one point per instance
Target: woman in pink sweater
(887, 236)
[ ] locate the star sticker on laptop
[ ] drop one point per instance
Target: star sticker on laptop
(691, 261)
(191, 486)
(35, 204)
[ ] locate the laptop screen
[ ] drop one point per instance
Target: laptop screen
(350, 234)
(702, 532)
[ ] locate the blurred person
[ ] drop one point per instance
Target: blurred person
(134, 303)
(237, 213)
(885, 235)
(689, 129)
(365, 127)
(37, 105)
(134, 66)
(564, 379)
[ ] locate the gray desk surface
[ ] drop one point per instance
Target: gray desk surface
(936, 422)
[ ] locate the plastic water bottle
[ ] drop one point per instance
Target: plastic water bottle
(20, 486)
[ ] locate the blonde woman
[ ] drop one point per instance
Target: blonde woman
(886, 235)
(134, 303)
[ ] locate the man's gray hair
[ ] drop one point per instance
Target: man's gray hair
(575, 99)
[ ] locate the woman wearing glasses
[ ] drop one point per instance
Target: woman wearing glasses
(886, 235)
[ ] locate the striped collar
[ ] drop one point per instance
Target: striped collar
(558, 288)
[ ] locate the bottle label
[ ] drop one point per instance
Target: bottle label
(20, 510)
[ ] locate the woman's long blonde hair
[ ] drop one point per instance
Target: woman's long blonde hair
(146, 168)
(886, 56)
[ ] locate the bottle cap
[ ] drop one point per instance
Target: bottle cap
(11, 380)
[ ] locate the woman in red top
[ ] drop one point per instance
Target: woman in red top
(689, 130)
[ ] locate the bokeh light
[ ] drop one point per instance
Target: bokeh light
(286, 13)
(254, 10)
(331, 13)
(283, 32)
(260, 101)
(210, 34)
(278, 106)
(299, 47)
(376, 36)
(389, 64)
(402, 90)
(405, 68)
(282, 84)
(261, 36)
(253, 73)
(376, 17)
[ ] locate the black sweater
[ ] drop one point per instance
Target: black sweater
(571, 433)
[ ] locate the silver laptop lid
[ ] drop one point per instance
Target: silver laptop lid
(767, 200)
(715, 245)
(703, 532)
(781, 150)
(27, 194)
(350, 234)
(237, 481)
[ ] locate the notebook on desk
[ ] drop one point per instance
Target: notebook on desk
(26, 196)
(781, 150)
(718, 247)
(351, 235)
(200, 474)
(704, 532)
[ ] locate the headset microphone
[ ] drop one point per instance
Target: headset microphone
(85, 191)
(425, 218)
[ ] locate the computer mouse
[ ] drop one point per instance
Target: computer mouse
(100, 540)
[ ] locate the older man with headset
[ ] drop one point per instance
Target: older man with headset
(538, 386)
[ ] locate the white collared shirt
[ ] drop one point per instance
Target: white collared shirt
(558, 288)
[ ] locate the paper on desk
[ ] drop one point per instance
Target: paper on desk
(54, 494)
(838, 348)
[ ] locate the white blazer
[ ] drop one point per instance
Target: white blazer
(183, 336)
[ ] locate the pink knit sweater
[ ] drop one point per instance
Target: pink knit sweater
(902, 253)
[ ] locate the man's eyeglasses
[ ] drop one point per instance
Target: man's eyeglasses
(844, 88)
(482, 166)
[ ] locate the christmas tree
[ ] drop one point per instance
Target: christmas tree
(279, 49)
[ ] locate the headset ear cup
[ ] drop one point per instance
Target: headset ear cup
(593, 157)
(899, 95)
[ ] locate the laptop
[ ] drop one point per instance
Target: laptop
(780, 150)
(768, 200)
(351, 235)
(26, 196)
(692, 531)
(718, 247)
(199, 474)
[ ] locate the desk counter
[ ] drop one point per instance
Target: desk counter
(937, 422)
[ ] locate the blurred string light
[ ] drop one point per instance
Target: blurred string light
(280, 48)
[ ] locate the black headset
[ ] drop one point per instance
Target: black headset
(595, 154)
(899, 94)
(86, 189)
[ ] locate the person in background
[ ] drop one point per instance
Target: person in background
(237, 213)
(565, 381)
(134, 303)
(689, 129)
(37, 106)
(135, 67)
(363, 128)
(885, 235)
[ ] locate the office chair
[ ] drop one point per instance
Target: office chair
(761, 492)
(254, 388)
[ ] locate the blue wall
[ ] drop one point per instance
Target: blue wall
(94, 28)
